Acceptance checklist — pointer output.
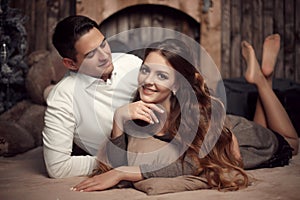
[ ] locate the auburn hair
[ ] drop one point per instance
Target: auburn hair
(191, 119)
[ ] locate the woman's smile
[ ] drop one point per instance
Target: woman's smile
(156, 79)
(148, 91)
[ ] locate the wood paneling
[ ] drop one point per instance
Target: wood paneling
(226, 27)
(41, 18)
(253, 20)
(279, 28)
(257, 27)
(250, 20)
(140, 16)
(235, 36)
(297, 41)
(101, 10)
(289, 39)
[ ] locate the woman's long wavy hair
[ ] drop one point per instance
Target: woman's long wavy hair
(219, 165)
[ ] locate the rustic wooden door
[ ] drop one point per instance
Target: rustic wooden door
(139, 16)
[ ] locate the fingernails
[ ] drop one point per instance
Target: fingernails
(151, 122)
(73, 189)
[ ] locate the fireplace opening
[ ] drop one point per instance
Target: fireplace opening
(146, 15)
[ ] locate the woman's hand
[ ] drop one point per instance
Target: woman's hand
(109, 179)
(99, 182)
(136, 110)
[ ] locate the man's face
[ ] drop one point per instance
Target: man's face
(94, 55)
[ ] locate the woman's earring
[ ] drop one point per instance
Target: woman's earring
(174, 92)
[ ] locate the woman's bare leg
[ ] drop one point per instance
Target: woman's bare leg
(271, 48)
(259, 114)
(276, 117)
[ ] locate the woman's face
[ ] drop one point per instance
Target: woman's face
(156, 80)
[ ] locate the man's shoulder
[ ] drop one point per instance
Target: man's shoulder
(66, 82)
(126, 59)
(124, 56)
(64, 87)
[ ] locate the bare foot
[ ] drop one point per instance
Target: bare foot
(253, 70)
(270, 51)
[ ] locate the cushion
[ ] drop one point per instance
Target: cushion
(155, 186)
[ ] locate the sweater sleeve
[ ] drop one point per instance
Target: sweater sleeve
(116, 151)
(177, 168)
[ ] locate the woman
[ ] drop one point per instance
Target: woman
(168, 78)
(224, 159)
(271, 125)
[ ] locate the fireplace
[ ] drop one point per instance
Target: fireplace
(118, 16)
(144, 16)
(198, 19)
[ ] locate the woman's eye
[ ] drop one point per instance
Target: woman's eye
(144, 70)
(162, 76)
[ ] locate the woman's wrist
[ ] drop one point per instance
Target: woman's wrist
(129, 173)
(117, 125)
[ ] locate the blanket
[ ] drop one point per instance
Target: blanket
(24, 177)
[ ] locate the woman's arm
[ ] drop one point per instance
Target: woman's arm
(117, 147)
(135, 173)
(116, 151)
(109, 179)
(136, 110)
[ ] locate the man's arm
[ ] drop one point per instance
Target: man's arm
(58, 136)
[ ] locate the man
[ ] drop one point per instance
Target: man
(80, 107)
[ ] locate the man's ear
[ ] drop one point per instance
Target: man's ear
(70, 64)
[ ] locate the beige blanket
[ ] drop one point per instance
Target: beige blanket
(24, 177)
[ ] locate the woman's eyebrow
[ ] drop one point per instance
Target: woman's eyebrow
(164, 72)
(159, 71)
(145, 65)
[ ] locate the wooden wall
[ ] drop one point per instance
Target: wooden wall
(42, 16)
(253, 20)
(147, 16)
(198, 10)
(222, 29)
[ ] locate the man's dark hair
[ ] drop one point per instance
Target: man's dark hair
(68, 31)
